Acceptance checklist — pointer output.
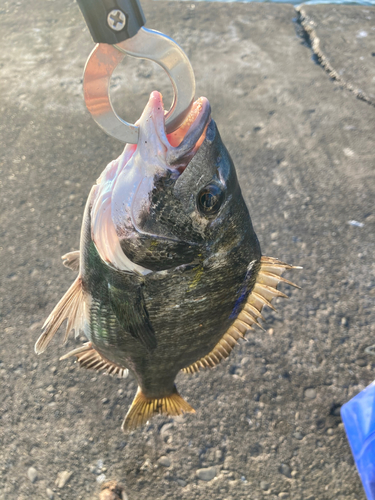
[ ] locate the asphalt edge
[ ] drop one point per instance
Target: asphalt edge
(305, 29)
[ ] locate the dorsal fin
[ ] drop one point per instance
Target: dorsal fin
(71, 260)
(88, 357)
(70, 307)
(264, 290)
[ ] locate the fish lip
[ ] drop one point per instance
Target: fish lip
(190, 135)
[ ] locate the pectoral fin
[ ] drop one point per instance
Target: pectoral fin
(131, 312)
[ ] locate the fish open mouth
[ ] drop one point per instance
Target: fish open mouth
(122, 195)
(179, 146)
(187, 139)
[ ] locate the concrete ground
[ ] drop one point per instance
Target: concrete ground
(303, 143)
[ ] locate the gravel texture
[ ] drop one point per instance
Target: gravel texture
(304, 152)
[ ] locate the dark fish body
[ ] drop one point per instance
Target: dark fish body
(193, 280)
(188, 307)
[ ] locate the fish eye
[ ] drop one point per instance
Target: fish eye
(210, 199)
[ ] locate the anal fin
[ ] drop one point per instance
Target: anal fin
(264, 290)
(71, 307)
(143, 408)
(88, 357)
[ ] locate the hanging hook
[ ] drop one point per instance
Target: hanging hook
(146, 44)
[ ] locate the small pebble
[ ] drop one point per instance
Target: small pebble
(49, 493)
(207, 473)
(147, 465)
(283, 494)
(353, 222)
(218, 454)
(329, 432)
(179, 419)
(105, 401)
(245, 361)
(166, 428)
(336, 411)
(62, 478)
(264, 485)
(107, 414)
(310, 393)
(93, 469)
(36, 326)
(101, 478)
(361, 362)
(181, 482)
(164, 461)
(32, 474)
(285, 470)
(344, 321)
(298, 435)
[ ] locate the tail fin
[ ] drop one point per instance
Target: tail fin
(143, 408)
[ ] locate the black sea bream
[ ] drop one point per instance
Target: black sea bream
(170, 268)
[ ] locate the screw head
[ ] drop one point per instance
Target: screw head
(116, 19)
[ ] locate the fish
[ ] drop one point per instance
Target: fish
(170, 270)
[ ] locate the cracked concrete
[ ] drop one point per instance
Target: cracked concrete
(268, 418)
(343, 40)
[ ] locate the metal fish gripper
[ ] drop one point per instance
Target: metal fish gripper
(119, 31)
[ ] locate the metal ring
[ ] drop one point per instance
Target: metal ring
(146, 44)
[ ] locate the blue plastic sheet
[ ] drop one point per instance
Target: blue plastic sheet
(358, 416)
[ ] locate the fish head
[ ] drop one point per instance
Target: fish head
(171, 199)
